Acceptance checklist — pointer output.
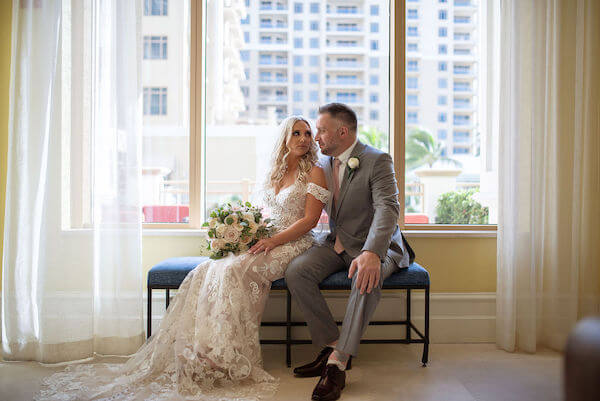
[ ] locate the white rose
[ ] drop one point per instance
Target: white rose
(217, 245)
(249, 217)
(243, 248)
(231, 235)
(246, 240)
(212, 223)
(353, 163)
(233, 217)
(253, 226)
(221, 230)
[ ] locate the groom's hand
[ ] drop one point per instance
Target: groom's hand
(367, 266)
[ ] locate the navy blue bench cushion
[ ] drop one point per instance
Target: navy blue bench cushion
(172, 271)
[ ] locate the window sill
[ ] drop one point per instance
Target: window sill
(149, 232)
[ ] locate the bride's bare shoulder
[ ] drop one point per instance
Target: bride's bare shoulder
(317, 176)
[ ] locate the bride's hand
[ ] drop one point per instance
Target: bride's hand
(265, 245)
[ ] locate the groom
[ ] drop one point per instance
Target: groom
(364, 239)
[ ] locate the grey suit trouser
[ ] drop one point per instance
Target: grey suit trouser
(303, 275)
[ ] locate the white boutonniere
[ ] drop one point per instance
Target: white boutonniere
(353, 164)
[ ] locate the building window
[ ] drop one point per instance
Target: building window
(314, 78)
(374, 97)
(313, 96)
(314, 25)
(443, 14)
(374, 80)
(297, 7)
(245, 55)
(297, 25)
(374, 27)
(298, 43)
(412, 117)
(297, 61)
(156, 7)
(412, 65)
(460, 136)
(374, 115)
(412, 82)
(312, 114)
(442, 134)
(245, 21)
(297, 96)
(442, 100)
(374, 10)
(442, 66)
(314, 8)
(155, 47)
(412, 100)
(412, 31)
(314, 43)
(374, 45)
(443, 49)
(412, 14)
(155, 101)
(412, 47)
(442, 32)
(374, 62)
(442, 83)
(460, 150)
(442, 117)
(314, 61)
(247, 37)
(297, 78)
(461, 119)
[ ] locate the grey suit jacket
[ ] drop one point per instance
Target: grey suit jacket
(366, 214)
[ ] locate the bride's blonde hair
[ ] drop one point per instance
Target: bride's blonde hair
(279, 160)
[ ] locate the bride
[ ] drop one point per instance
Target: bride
(207, 346)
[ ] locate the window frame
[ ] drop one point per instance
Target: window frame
(397, 108)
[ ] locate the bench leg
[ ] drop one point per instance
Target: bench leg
(149, 312)
(426, 344)
(167, 299)
(288, 335)
(408, 329)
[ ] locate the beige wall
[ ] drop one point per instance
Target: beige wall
(456, 265)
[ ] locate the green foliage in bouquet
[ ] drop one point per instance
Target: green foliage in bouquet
(459, 207)
(235, 228)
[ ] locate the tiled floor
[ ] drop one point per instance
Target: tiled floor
(386, 372)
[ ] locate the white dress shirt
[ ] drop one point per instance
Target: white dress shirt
(343, 158)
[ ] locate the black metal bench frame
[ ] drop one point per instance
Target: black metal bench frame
(288, 323)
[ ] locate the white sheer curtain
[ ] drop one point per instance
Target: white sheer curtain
(549, 163)
(73, 286)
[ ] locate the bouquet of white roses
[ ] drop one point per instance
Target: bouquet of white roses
(235, 228)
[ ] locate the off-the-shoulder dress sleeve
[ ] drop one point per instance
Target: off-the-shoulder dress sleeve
(320, 193)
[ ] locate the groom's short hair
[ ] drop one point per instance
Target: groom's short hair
(343, 113)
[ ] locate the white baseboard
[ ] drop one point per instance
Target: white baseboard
(454, 317)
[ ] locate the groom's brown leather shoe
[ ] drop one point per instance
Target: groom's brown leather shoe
(330, 385)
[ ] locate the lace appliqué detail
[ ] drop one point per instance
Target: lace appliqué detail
(320, 193)
(207, 346)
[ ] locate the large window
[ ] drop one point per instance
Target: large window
(450, 179)
(215, 146)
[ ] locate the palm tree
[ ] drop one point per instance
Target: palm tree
(422, 148)
(372, 136)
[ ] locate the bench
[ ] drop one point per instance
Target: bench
(169, 274)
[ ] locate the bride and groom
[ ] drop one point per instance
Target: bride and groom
(207, 346)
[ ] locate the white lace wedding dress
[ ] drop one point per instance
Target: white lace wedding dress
(207, 346)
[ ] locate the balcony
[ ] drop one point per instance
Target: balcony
(273, 99)
(344, 81)
(345, 29)
(344, 64)
(272, 80)
(278, 7)
(273, 26)
(344, 99)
